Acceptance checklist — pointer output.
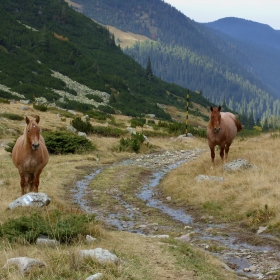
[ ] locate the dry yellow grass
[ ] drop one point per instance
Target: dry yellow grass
(241, 192)
(144, 258)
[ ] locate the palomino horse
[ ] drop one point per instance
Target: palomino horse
(221, 130)
(30, 156)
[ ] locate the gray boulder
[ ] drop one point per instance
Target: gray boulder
(24, 264)
(199, 178)
(47, 242)
(238, 164)
(95, 276)
(31, 199)
(103, 256)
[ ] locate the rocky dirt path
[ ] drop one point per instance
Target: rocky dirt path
(130, 200)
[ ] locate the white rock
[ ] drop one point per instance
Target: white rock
(95, 276)
(100, 254)
(24, 264)
(31, 199)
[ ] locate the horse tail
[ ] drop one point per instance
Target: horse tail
(238, 124)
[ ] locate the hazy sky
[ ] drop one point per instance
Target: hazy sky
(262, 11)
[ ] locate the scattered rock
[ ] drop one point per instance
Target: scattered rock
(261, 229)
(200, 178)
(24, 264)
(90, 239)
(103, 256)
(47, 242)
(160, 236)
(71, 128)
(31, 199)
(238, 164)
(185, 237)
(95, 276)
(82, 134)
(72, 112)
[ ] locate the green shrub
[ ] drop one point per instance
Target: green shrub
(133, 143)
(4, 95)
(96, 98)
(4, 100)
(63, 227)
(108, 131)
(151, 122)
(11, 116)
(82, 126)
(137, 122)
(105, 131)
(97, 115)
(179, 128)
(10, 146)
(106, 109)
(64, 142)
(40, 107)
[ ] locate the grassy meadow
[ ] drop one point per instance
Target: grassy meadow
(249, 198)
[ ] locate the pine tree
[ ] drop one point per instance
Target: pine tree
(149, 71)
(251, 121)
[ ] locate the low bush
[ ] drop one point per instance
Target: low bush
(151, 122)
(137, 122)
(13, 117)
(133, 143)
(4, 100)
(40, 107)
(64, 142)
(87, 127)
(63, 227)
(96, 98)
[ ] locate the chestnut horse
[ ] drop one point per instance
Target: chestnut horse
(221, 130)
(30, 156)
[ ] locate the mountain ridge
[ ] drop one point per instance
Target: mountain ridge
(248, 31)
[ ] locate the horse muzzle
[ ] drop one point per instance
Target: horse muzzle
(35, 147)
(217, 129)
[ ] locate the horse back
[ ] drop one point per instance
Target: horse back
(232, 123)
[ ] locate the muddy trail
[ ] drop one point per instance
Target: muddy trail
(138, 206)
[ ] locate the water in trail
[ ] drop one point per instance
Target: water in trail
(239, 256)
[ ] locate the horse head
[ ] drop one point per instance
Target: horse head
(215, 118)
(33, 132)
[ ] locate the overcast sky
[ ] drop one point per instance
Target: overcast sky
(262, 11)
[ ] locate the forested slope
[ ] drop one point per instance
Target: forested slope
(188, 54)
(40, 37)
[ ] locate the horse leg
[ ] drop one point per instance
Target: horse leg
(222, 149)
(31, 182)
(36, 181)
(22, 183)
(212, 156)
(227, 150)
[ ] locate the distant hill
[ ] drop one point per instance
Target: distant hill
(193, 55)
(248, 31)
(260, 44)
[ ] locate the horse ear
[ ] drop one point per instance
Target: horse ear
(27, 120)
(219, 108)
(37, 119)
(211, 108)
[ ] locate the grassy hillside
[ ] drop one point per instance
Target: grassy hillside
(45, 43)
